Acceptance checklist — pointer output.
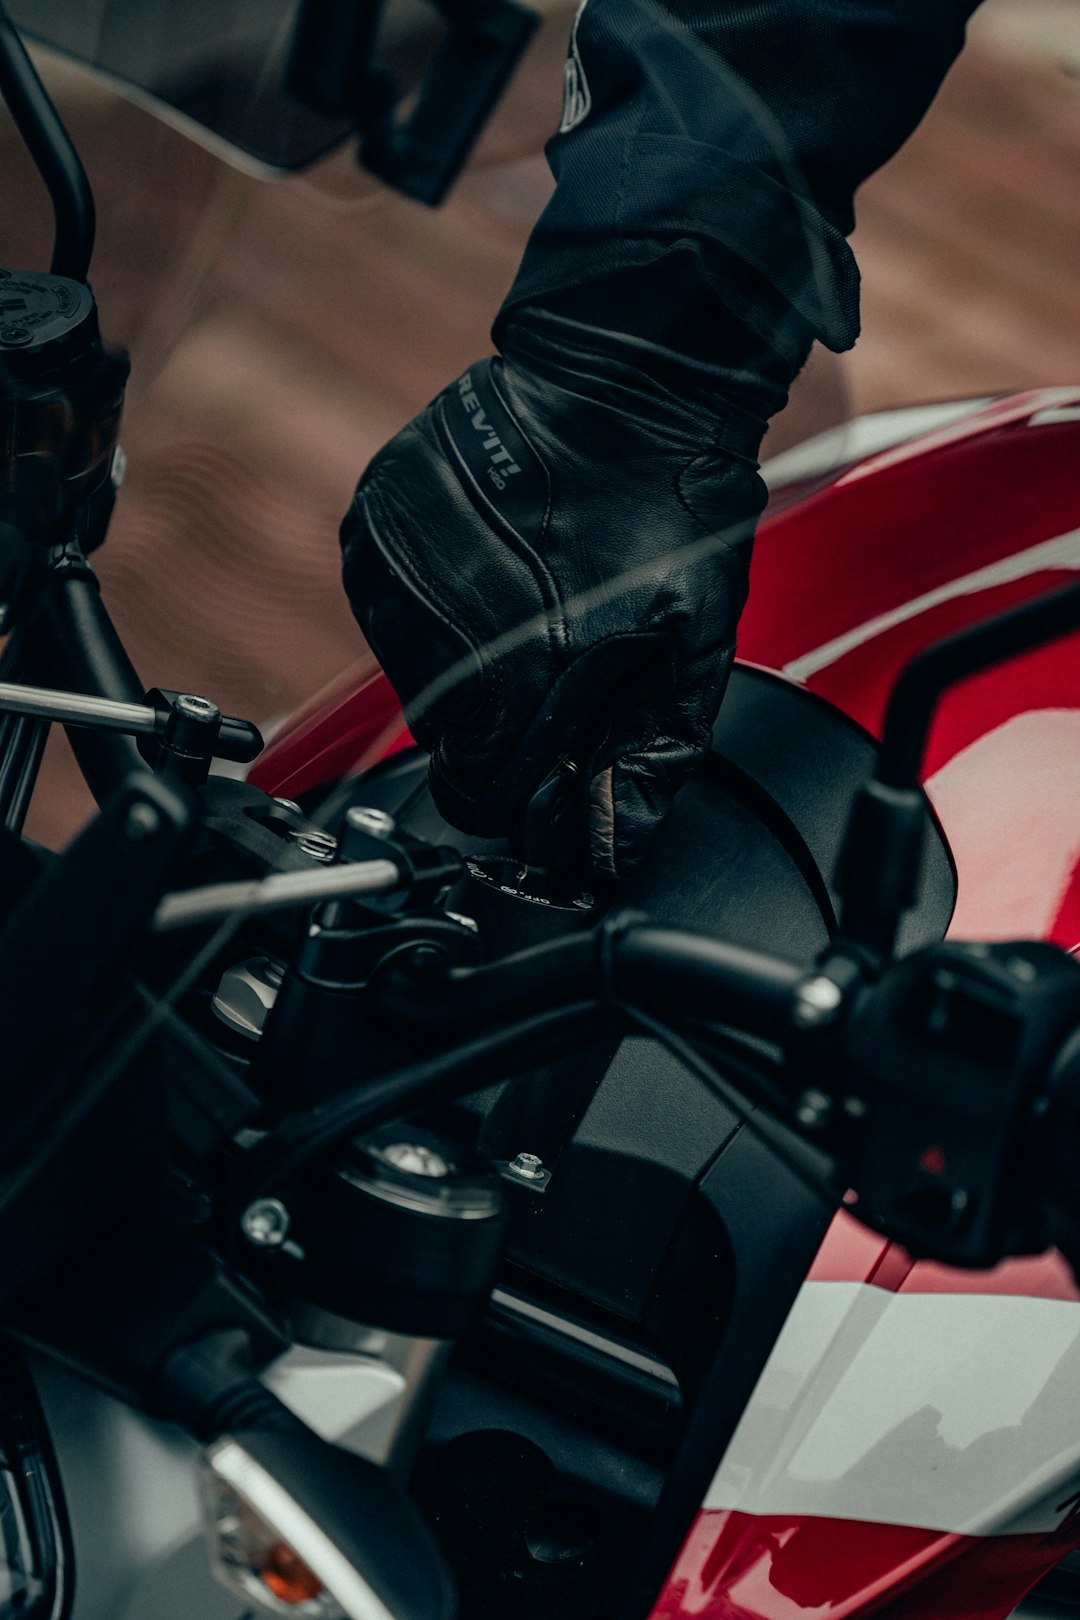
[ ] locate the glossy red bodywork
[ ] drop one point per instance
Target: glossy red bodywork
(742, 1566)
(848, 583)
(347, 727)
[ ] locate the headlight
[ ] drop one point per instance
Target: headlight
(35, 1548)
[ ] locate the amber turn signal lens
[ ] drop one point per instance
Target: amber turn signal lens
(288, 1577)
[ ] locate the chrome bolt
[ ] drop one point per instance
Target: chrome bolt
(365, 819)
(196, 708)
(141, 822)
(265, 1223)
(417, 1159)
(817, 1001)
(527, 1165)
(813, 1109)
(246, 994)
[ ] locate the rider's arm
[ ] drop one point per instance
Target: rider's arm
(733, 135)
(551, 560)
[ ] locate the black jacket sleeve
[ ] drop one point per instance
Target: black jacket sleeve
(732, 134)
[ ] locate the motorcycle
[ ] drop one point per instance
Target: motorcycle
(690, 1258)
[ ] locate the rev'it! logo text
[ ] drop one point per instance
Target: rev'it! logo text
(501, 464)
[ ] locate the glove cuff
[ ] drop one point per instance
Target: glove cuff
(728, 409)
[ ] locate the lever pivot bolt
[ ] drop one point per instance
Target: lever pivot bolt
(265, 1223)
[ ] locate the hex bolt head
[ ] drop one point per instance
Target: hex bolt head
(197, 708)
(527, 1165)
(265, 1223)
(417, 1159)
(141, 822)
(366, 819)
(246, 994)
(817, 1001)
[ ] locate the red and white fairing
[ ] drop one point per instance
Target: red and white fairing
(913, 1446)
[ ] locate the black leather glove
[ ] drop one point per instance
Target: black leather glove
(550, 563)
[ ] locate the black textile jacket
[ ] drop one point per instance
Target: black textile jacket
(721, 142)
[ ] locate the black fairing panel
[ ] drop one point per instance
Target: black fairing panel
(748, 854)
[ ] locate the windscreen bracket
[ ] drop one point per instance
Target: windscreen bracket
(420, 152)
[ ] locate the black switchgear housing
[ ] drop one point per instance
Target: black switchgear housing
(947, 1059)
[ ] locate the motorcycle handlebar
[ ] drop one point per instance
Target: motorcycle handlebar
(665, 971)
(85, 653)
(945, 1076)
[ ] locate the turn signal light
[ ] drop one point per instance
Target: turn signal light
(249, 1552)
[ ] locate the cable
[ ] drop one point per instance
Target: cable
(774, 1135)
(304, 1137)
(54, 155)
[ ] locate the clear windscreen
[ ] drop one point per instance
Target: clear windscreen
(280, 333)
(220, 66)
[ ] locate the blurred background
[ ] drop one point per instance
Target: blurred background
(281, 331)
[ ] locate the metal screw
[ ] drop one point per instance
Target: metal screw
(196, 708)
(265, 1223)
(464, 922)
(366, 819)
(417, 1159)
(817, 1001)
(15, 335)
(527, 1165)
(321, 846)
(813, 1109)
(141, 822)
